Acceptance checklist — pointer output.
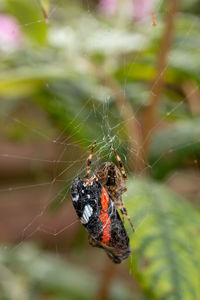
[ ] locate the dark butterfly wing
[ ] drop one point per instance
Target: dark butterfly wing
(85, 199)
(101, 219)
(118, 248)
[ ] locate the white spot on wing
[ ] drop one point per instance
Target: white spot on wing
(75, 198)
(88, 196)
(87, 212)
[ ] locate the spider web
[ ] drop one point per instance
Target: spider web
(61, 166)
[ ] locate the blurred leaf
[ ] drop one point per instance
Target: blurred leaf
(70, 105)
(166, 257)
(18, 88)
(30, 274)
(172, 146)
(30, 18)
(24, 81)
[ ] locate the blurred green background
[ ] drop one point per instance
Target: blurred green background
(75, 72)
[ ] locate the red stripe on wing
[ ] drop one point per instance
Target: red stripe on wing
(105, 218)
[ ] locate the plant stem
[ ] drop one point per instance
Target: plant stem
(150, 113)
(107, 278)
(192, 94)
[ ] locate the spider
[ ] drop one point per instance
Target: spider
(112, 180)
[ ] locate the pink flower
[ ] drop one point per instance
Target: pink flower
(143, 8)
(108, 7)
(10, 33)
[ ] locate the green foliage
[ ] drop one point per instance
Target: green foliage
(27, 273)
(30, 17)
(57, 68)
(171, 147)
(166, 257)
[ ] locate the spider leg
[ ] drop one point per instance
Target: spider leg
(89, 161)
(120, 163)
(123, 210)
(122, 207)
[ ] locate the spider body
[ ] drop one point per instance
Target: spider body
(96, 201)
(110, 177)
